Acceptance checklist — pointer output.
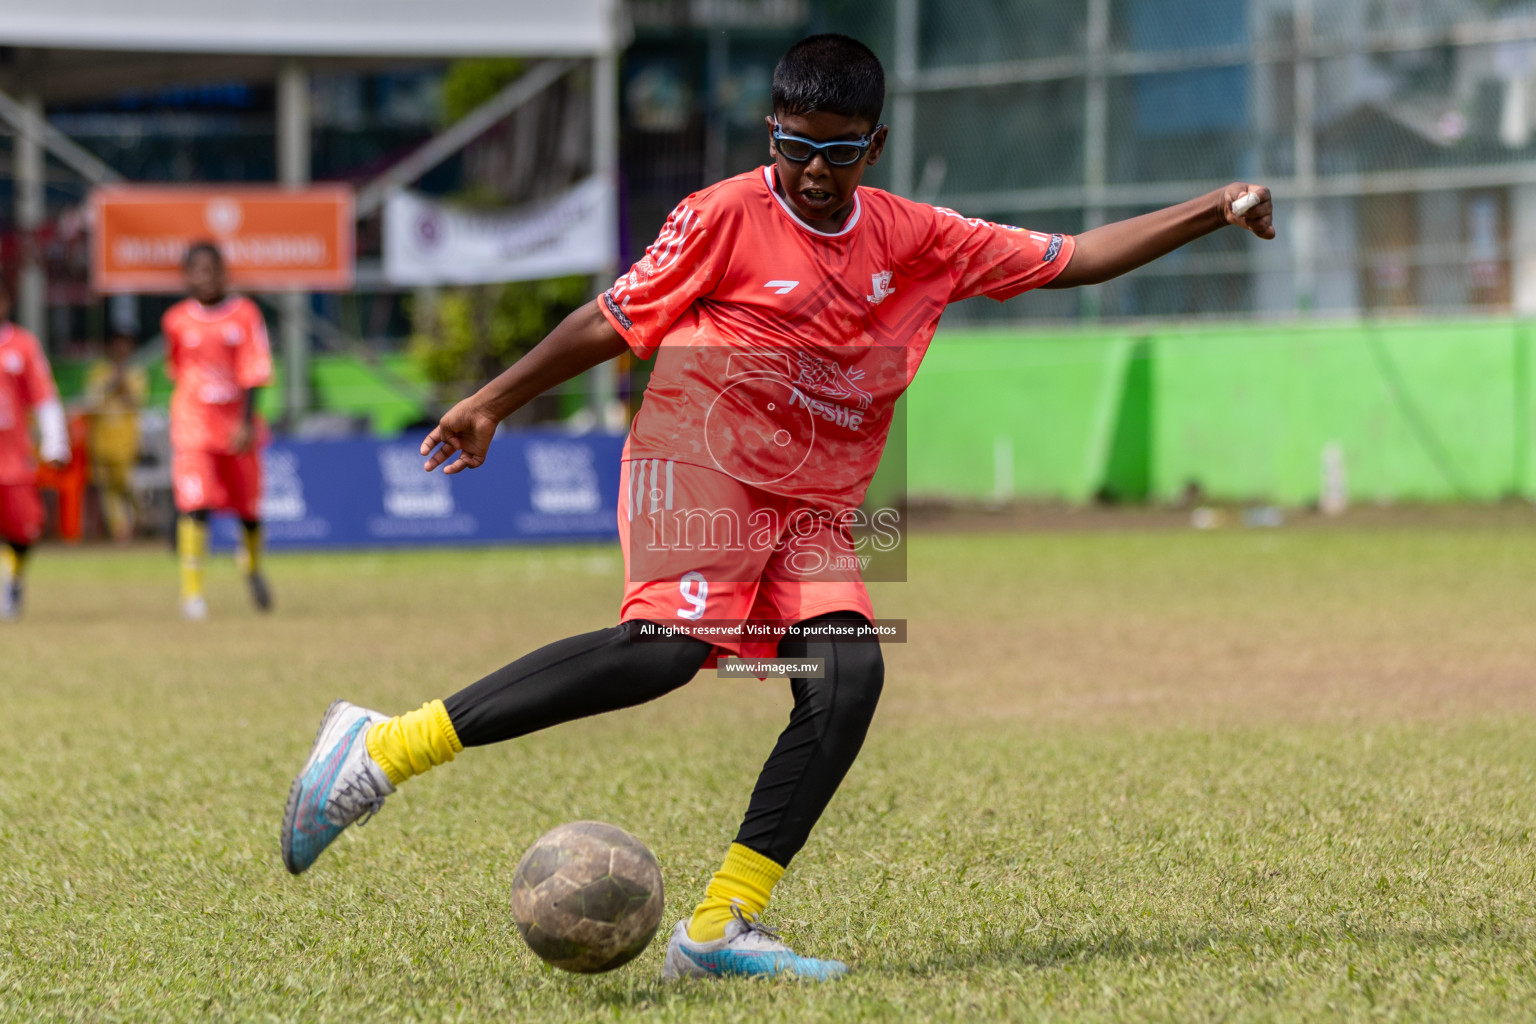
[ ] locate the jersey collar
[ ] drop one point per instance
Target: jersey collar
(217, 311)
(770, 177)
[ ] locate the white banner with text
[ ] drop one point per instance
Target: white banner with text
(427, 241)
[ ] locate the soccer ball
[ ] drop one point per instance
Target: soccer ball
(587, 897)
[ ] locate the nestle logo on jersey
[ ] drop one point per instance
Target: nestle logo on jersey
(827, 378)
(841, 415)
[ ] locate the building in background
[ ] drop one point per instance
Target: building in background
(206, 120)
(696, 84)
(1398, 136)
(179, 92)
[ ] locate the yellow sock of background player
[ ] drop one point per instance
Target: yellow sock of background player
(15, 564)
(411, 743)
(745, 880)
(191, 542)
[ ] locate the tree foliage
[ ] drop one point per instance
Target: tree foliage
(470, 82)
(467, 335)
(464, 335)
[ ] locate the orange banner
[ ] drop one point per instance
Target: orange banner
(272, 238)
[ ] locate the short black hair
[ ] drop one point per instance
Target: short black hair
(830, 72)
(201, 247)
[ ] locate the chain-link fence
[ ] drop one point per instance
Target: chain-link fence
(1397, 135)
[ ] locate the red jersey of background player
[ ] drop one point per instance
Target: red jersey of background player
(780, 349)
(26, 382)
(214, 354)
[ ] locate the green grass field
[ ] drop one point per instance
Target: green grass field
(1116, 776)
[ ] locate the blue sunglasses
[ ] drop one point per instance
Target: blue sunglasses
(838, 154)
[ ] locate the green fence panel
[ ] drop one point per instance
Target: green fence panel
(1224, 403)
(1524, 456)
(70, 377)
(1421, 411)
(351, 386)
(1127, 472)
(999, 414)
(1436, 420)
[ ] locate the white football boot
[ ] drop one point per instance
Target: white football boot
(340, 784)
(747, 950)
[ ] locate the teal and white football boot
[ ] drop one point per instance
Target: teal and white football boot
(747, 950)
(339, 785)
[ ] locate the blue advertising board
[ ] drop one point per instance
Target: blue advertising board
(535, 486)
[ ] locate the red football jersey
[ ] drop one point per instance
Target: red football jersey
(780, 349)
(214, 354)
(26, 381)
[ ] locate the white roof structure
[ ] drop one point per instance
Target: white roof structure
(58, 51)
(406, 28)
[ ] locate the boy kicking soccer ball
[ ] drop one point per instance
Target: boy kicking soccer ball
(787, 309)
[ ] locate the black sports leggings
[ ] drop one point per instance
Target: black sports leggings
(611, 669)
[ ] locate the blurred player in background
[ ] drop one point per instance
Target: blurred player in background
(115, 390)
(26, 387)
(217, 354)
(826, 294)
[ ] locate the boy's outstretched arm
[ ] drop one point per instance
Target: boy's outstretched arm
(1113, 249)
(581, 341)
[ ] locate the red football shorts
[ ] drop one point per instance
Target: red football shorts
(713, 557)
(215, 482)
(21, 513)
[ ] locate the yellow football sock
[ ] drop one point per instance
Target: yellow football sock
(251, 562)
(745, 880)
(14, 564)
(409, 744)
(191, 537)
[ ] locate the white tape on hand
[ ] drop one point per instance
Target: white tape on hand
(1245, 202)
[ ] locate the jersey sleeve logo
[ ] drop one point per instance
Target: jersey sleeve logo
(1053, 250)
(617, 311)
